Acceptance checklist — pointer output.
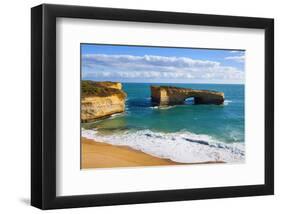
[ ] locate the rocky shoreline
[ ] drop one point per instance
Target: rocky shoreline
(103, 99)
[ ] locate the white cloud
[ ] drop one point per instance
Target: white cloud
(240, 58)
(151, 67)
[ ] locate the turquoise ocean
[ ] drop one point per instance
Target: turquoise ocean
(183, 133)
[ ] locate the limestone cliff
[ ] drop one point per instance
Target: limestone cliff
(167, 95)
(101, 99)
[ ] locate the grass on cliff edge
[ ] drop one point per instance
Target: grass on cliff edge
(91, 88)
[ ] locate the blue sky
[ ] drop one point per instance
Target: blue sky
(158, 64)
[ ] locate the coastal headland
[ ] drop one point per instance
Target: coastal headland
(101, 99)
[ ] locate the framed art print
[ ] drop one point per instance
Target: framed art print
(133, 106)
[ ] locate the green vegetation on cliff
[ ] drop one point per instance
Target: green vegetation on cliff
(100, 89)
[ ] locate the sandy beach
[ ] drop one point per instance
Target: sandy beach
(102, 155)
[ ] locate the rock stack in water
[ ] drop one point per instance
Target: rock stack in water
(168, 95)
(101, 99)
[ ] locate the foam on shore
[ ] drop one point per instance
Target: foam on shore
(182, 147)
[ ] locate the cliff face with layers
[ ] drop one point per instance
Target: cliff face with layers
(167, 95)
(101, 99)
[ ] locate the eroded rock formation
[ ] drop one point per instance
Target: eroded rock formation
(101, 99)
(167, 95)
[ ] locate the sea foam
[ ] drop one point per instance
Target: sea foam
(182, 147)
(226, 102)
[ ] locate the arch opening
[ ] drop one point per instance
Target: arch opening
(189, 101)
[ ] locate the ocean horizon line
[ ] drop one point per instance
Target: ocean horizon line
(165, 82)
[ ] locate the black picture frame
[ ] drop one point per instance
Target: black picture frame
(43, 106)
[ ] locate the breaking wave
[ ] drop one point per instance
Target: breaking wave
(182, 147)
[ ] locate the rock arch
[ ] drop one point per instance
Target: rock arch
(167, 95)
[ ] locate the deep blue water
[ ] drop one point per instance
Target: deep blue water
(222, 122)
